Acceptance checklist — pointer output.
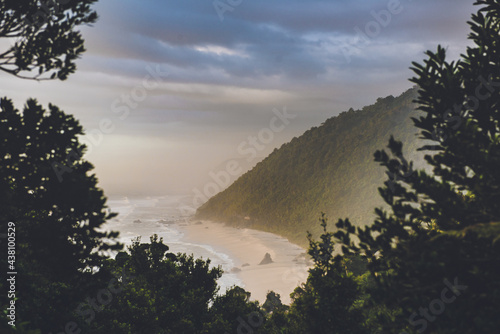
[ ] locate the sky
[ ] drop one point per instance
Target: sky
(181, 97)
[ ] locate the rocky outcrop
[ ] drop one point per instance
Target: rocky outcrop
(267, 259)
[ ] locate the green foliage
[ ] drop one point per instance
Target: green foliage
(165, 293)
(45, 42)
(326, 302)
(58, 241)
(273, 303)
(328, 169)
(169, 293)
(234, 313)
(434, 255)
(20, 328)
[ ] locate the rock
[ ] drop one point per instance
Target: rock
(164, 222)
(267, 259)
(198, 223)
(137, 221)
(245, 264)
(235, 270)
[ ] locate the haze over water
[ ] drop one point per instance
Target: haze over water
(213, 81)
(145, 216)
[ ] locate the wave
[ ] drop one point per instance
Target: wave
(144, 216)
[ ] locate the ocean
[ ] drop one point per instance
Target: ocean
(145, 216)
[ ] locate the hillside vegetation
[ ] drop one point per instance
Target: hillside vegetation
(328, 169)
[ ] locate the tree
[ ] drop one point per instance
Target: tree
(326, 302)
(45, 42)
(233, 312)
(59, 246)
(169, 293)
(59, 243)
(434, 256)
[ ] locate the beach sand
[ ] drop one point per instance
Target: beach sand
(247, 248)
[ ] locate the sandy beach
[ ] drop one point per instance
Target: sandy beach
(247, 248)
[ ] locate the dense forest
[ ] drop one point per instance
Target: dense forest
(428, 263)
(328, 169)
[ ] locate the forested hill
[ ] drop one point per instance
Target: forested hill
(328, 169)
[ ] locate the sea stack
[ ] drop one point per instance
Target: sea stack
(267, 259)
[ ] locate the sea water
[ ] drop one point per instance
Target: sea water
(144, 216)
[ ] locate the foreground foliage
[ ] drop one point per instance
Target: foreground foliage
(57, 221)
(435, 254)
(44, 41)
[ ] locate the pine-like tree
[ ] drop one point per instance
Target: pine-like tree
(47, 191)
(435, 255)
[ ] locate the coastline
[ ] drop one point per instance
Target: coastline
(247, 248)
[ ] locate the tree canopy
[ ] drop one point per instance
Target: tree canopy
(434, 254)
(329, 169)
(44, 41)
(57, 222)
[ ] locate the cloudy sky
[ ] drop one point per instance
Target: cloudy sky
(170, 91)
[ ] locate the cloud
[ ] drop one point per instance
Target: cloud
(258, 40)
(225, 77)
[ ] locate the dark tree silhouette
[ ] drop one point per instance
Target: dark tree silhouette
(43, 35)
(57, 223)
(326, 302)
(168, 293)
(435, 254)
(59, 246)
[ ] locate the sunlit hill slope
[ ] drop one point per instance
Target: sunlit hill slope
(330, 168)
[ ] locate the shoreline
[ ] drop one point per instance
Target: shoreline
(247, 248)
